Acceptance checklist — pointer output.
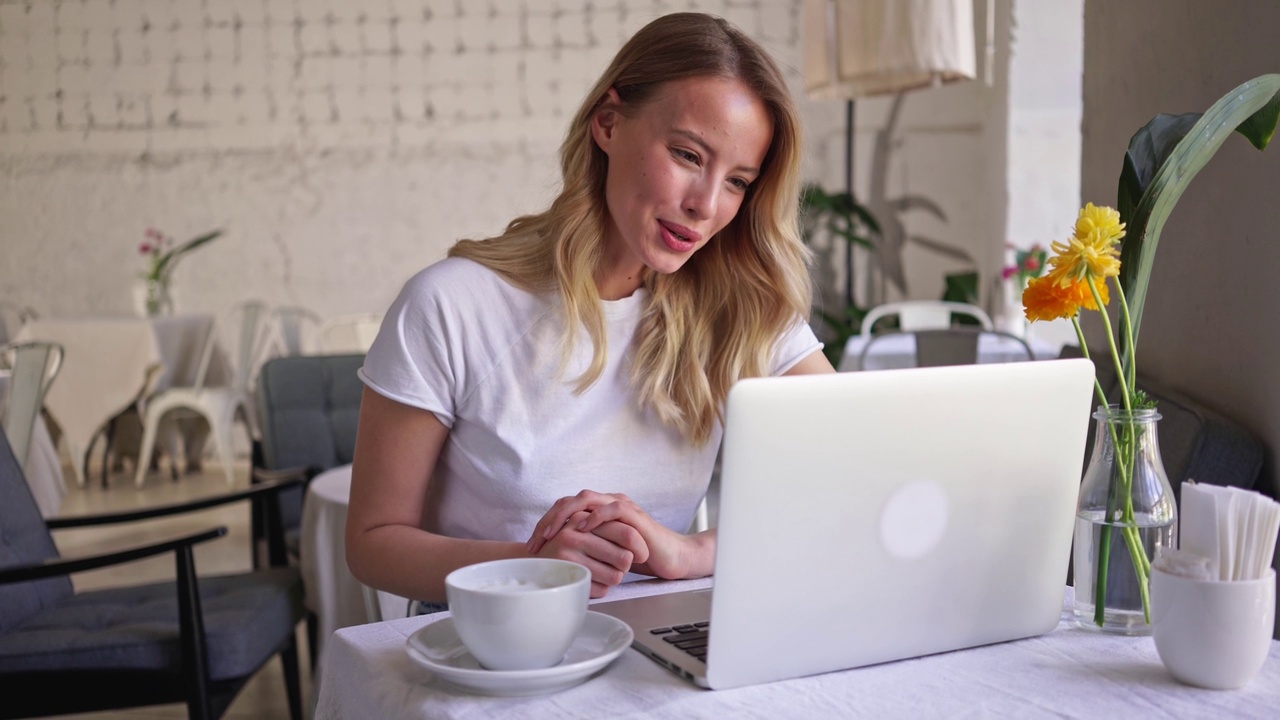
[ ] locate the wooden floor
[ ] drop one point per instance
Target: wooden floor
(264, 696)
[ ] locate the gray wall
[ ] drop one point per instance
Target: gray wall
(1210, 327)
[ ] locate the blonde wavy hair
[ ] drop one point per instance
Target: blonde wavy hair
(719, 318)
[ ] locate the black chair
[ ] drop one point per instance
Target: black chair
(195, 640)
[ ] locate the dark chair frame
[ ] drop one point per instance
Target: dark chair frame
(46, 692)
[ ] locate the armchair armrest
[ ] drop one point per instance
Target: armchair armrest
(303, 473)
(66, 566)
(257, 490)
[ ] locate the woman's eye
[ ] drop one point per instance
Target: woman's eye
(686, 155)
(739, 183)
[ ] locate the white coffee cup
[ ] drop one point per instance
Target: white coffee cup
(1212, 633)
(521, 613)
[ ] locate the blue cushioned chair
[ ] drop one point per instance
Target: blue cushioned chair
(196, 640)
(308, 407)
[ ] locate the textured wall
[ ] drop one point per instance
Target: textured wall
(1209, 327)
(346, 143)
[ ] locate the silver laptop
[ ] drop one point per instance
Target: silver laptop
(875, 516)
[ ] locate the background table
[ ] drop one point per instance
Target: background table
(332, 592)
(899, 351)
(44, 467)
(1066, 673)
(106, 363)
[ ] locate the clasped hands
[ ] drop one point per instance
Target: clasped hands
(611, 535)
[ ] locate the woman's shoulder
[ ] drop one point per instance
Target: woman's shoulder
(465, 288)
(459, 278)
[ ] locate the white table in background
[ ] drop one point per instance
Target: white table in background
(899, 351)
(43, 470)
(332, 592)
(1066, 673)
(105, 366)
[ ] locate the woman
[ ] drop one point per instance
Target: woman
(593, 345)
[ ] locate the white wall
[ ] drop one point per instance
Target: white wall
(344, 144)
(1045, 108)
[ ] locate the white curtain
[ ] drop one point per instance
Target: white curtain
(856, 48)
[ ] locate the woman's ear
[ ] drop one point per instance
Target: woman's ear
(605, 119)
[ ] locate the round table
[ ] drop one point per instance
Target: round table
(336, 597)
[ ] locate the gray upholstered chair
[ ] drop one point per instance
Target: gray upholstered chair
(308, 408)
(196, 639)
(1196, 442)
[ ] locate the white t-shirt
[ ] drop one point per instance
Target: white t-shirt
(484, 356)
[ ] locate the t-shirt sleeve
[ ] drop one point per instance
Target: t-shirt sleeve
(413, 360)
(796, 344)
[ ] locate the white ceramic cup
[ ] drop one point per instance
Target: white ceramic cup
(521, 613)
(1212, 633)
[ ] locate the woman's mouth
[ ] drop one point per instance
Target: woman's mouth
(678, 237)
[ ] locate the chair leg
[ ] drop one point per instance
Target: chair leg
(106, 451)
(292, 678)
(220, 428)
(150, 425)
(313, 634)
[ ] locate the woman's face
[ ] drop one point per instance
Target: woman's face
(679, 169)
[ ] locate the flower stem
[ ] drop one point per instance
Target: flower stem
(1130, 348)
(1111, 341)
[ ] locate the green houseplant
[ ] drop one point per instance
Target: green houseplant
(841, 217)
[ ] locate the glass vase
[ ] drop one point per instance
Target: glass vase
(1126, 510)
(157, 300)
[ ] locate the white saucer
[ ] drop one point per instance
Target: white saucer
(437, 648)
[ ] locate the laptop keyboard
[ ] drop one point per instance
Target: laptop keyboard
(691, 638)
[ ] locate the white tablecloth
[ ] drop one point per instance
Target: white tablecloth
(1067, 673)
(105, 366)
(899, 351)
(44, 468)
(332, 592)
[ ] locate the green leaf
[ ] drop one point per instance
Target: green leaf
(962, 287)
(170, 260)
(1163, 158)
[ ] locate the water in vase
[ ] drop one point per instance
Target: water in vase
(1124, 600)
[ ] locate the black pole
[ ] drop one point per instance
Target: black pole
(848, 185)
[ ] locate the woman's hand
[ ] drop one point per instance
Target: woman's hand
(669, 554)
(609, 550)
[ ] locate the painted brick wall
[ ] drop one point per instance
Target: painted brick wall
(344, 144)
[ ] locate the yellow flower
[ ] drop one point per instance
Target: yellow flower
(1096, 254)
(1092, 250)
(1047, 299)
(1102, 221)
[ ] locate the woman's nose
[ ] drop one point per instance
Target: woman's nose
(700, 200)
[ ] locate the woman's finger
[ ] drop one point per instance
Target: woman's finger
(559, 513)
(625, 536)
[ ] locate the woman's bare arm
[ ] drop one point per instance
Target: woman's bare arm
(397, 447)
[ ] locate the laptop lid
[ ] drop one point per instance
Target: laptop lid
(875, 516)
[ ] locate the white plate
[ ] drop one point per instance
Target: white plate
(438, 648)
